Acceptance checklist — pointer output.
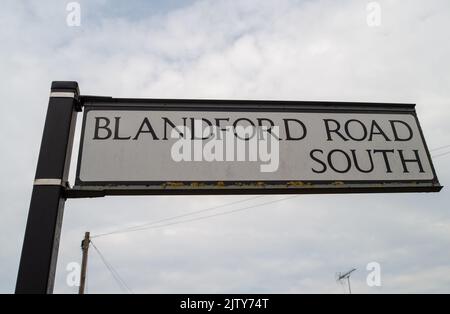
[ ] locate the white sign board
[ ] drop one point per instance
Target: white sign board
(213, 148)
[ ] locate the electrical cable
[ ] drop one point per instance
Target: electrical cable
(439, 148)
(440, 155)
(204, 217)
(122, 284)
(176, 217)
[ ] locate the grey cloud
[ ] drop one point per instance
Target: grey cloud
(303, 50)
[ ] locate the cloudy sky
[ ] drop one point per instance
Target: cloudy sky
(246, 49)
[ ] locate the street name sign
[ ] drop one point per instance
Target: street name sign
(157, 146)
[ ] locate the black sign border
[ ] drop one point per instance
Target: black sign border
(103, 188)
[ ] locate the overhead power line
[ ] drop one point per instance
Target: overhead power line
(151, 223)
(121, 283)
(441, 155)
(201, 218)
(439, 148)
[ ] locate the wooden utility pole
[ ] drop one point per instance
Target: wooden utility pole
(85, 248)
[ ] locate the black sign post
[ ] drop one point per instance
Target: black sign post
(41, 242)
